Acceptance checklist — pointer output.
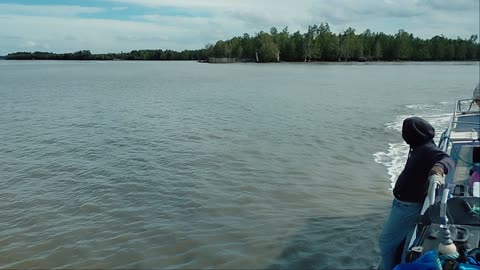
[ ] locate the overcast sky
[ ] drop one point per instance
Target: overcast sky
(124, 25)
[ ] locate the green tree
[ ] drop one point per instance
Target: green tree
(403, 47)
(267, 50)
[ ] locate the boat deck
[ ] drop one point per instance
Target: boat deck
(467, 123)
(462, 142)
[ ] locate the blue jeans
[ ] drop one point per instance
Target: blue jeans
(399, 224)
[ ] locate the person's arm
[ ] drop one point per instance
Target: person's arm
(444, 163)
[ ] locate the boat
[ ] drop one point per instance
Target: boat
(447, 233)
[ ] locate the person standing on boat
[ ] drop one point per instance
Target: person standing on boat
(424, 160)
(476, 95)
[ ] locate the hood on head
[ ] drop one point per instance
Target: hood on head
(416, 131)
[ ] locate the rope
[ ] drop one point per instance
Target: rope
(449, 257)
(438, 263)
(456, 152)
(445, 257)
(475, 211)
(471, 104)
(469, 107)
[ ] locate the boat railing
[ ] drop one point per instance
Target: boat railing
(466, 106)
(444, 138)
(463, 107)
(436, 184)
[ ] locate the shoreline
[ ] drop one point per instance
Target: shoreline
(245, 62)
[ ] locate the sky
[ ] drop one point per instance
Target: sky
(124, 25)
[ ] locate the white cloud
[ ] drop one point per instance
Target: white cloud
(100, 35)
(30, 44)
(378, 15)
(119, 8)
(65, 30)
(51, 10)
(175, 20)
(450, 5)
(216, 4)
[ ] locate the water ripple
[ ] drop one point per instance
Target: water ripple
(146, 165)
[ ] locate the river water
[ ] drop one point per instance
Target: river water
(162, 165)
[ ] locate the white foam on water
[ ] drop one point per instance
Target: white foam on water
(419, 106)
(395, 157)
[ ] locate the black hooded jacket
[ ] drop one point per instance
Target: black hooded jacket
(412, 184)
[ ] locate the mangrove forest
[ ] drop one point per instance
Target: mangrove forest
(318, 43)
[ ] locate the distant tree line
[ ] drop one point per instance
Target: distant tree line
(319, 43)
(133, 55)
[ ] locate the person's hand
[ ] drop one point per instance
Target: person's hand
(438, 170)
